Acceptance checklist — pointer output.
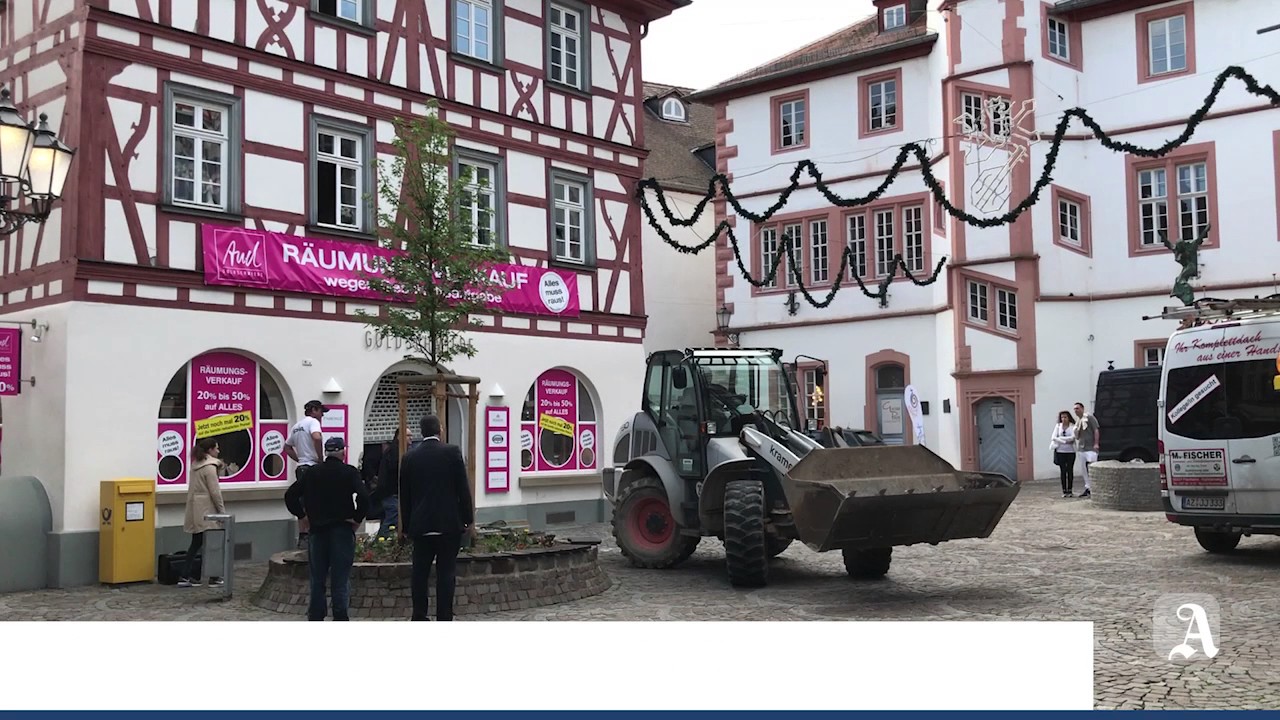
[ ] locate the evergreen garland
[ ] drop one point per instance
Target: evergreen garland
(906, 152)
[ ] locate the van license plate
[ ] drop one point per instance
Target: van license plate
(1203, 502)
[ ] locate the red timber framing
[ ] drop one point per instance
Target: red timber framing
(116, 58)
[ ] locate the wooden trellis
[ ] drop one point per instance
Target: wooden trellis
(437, 387)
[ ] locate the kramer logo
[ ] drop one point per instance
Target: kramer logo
(780, 457)
(242, 258)
(1185, 627)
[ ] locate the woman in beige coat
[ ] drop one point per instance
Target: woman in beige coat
(204, 496)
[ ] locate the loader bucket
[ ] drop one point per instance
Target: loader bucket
(882, 496)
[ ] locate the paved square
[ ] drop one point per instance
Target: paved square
(1050, 559)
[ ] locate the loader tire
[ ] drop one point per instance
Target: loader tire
(778, 545)
(746, 548)
(870, 564)
(645, 529)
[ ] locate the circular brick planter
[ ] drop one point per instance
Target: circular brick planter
(515, 580)
(1126, 486)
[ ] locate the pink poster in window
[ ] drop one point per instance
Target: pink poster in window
(10, 361)
(562, 435)
(224, 399)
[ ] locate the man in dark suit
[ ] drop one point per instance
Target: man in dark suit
(435, 494)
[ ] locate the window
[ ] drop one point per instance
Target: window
(1192, 202)
(769, 255)
(474, 29)
(986, 113)
(341, 174)
(1245, 404)
(202, 149)
(895, 17)
(213, 384)
(1167, 48)
(814, 399)
(819, 255)
(884, 242)
(1069, 222)
(913, 237)
(483, 201)
(1166, 42)
(882, 105)
(790, 122)
(566, 40)
(856, 239)
(792, 237)
(1006, 310)
(888, 413)
(558, 430)
(1151, 355)
(572, 230)
(349, 10)
(673, 109)
(1059, 39)
(978, 302)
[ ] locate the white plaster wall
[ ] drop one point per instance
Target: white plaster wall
(121, 383)
(679, 289)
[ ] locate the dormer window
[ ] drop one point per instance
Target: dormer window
(895, 17)
(673, 109)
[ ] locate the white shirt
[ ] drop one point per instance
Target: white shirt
(302, 441)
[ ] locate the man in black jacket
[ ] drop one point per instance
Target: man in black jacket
(324, 496)
(435, 493)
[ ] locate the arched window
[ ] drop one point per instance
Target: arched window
(673, 109)
(558, 425)
(891, 383)
(231, 398)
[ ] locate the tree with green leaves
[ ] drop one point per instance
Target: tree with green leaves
(441, 232)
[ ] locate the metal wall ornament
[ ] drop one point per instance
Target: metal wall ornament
(998, 143)
(34, 166)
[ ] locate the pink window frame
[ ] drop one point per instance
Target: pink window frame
(802, 371)
(1199, 152)
(864, 103)
(1140, 348)
(1075, 43)
(994, 284)
(986, 92)
(775, 121)
(1142, 21)
(1059, 193)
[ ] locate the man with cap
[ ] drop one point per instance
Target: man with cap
(324, 497)
(304, 446)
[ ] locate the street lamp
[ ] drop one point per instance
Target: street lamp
(33, 167)
(722, 324)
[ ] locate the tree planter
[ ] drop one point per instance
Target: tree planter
(1125, 486)
(487, 582)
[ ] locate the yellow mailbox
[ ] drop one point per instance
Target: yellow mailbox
(127, 533)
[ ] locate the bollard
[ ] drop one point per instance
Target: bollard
(223, 550)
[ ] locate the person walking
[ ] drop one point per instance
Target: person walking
(305, 447)
(1087, 438)
(436, 494)
(388, 492)
(204, 497)
(1063, 445)
(324, 496)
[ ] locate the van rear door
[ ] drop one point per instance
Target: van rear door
(1254, 419)
(1195, 401)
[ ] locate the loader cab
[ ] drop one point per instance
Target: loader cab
(697, 396)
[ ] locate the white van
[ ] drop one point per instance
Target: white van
(1220, 422)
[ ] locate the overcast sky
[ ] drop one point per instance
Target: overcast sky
(712, 40)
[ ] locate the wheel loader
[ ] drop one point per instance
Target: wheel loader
(714, 452)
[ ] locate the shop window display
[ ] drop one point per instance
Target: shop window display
(558, 425)
(240, 402)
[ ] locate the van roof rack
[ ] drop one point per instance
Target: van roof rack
(1211, 310)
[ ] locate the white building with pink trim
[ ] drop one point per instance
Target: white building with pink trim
(1024, 316)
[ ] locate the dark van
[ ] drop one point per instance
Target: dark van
(1125, 406)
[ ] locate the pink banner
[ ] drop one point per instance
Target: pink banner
(227, 384)
(275, 261)
(10, 360)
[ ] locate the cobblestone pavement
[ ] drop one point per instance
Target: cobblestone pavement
(1050, 559)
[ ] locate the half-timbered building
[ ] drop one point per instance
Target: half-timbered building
(206, 129)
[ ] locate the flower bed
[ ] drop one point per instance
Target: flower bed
(503, 570)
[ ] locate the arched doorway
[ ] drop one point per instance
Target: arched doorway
(382, 416)
(223, 384)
